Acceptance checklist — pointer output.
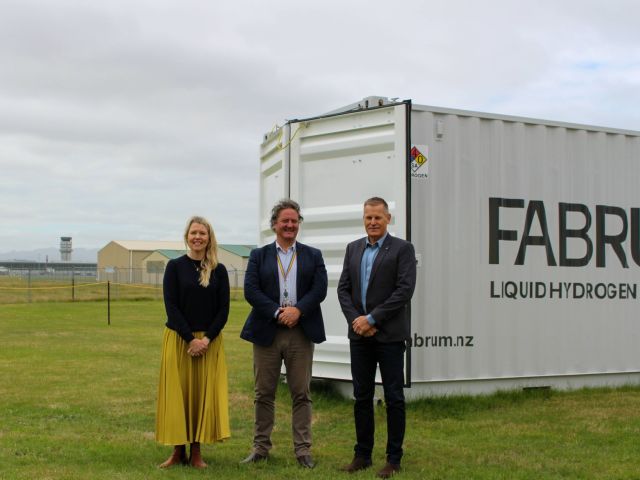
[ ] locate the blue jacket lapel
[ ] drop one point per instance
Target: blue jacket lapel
(299, 262)
(271, 265)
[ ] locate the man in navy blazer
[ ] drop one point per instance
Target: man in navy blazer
(285, 283)
(376, 285)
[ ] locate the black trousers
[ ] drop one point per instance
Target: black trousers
(366, 354)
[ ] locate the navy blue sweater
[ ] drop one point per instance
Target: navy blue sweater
(191, 307)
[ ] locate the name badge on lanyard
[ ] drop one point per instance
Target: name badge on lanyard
(286, 301)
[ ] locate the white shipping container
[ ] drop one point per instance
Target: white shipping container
(527, 238)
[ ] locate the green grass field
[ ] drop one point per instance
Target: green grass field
(77, 401)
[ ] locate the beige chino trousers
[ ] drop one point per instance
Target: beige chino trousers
(296, 350)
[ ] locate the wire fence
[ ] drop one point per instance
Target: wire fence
(43, 285)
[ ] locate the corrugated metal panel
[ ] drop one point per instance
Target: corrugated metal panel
(336, 164)
(468, 335)
(477, 158)
(171, 254)
(526, 120)
(274, 177)
(239, 250)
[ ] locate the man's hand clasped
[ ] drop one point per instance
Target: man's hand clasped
(362, 327)
(289, 316)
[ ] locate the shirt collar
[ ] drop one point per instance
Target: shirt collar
(291, 249)
(379, 242)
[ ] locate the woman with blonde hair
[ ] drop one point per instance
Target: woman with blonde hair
(193, 403)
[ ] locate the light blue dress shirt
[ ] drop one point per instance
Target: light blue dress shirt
(366, 264)
(290, 283)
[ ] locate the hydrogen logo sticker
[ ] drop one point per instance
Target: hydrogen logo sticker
(419, 161)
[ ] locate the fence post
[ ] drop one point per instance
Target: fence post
(108, 303)
(235, 283)
(29, 285)
(116, 277)
(73, 285)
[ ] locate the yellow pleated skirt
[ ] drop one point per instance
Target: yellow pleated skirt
(193, 395)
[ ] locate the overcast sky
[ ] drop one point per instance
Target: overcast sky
(120, 119)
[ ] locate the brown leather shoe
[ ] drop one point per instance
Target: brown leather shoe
(306, 461)
(178, 457)
(358, 463)
(388, 470)
(255, 458)
(195, 458)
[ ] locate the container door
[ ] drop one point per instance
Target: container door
(274, 177)
(336, 163)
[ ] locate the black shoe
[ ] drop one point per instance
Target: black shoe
(388, 470)
(358, 463)
(306, 461)
(255, 458)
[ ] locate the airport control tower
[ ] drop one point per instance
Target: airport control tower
(65, 249)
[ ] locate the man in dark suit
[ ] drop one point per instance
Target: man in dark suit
(284, 283)
(375, 288)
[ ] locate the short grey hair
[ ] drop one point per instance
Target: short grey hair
(373, 201)
(284, 204)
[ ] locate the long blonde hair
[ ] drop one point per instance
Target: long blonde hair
(210, 261)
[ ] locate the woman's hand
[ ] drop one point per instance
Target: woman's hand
(198, 346)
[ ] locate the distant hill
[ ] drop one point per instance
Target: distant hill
(89, 255)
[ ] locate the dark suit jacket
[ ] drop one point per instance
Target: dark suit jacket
(391, 285)
(262, 291)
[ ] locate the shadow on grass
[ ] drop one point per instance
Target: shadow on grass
(451, 406)
(326, 390)
(460, 406)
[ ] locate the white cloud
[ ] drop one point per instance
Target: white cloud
(121, 119)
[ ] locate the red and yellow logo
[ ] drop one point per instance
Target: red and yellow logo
(418, 159)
